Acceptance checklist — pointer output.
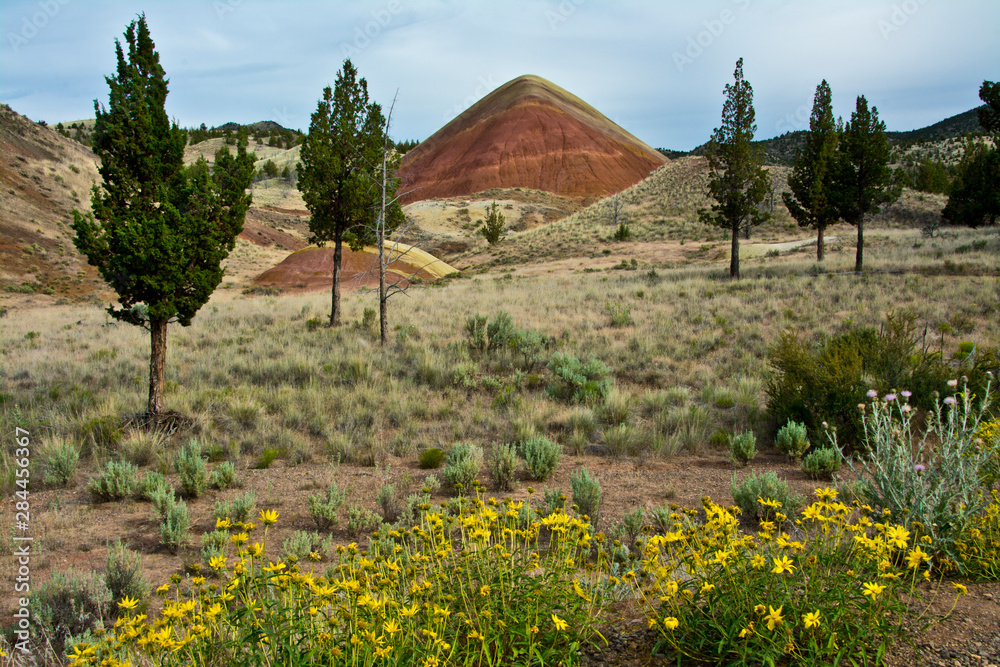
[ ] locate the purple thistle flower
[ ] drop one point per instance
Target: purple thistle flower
(872, 393)
(950, 400)
(905, 394)
(919, 467)
(889, 398)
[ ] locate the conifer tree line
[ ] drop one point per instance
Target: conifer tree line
(841, 173)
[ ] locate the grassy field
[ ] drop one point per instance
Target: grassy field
(687, 350)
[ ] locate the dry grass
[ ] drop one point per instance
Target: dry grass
(251, 376)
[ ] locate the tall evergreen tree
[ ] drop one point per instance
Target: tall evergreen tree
(158, 232)
(737, 179)
(975, 193)
(989, 113)
(811, 201)
(863, 179)
(340, 158)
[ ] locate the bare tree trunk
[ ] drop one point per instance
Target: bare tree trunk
(860, 256)
(734, 255)
(157, 364)
(819, 243)
(338, 246)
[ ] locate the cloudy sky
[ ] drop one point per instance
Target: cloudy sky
(656, 67)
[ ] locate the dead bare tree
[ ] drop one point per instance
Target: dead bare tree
(390, 246)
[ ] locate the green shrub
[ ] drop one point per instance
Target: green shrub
(388, 503)
(115, 482)
(827, 381)
(266, 458)
(821, 463)
(123, 576)
(223, 477)
(323, 508)
(541, 456)
(792, 440)
(69, 604)
(300, 544)
(431, 458)
(239, 509)
(576, 381)
(462, 464)
(475, 332)
(192, 469)
(163, 498)
(586, 493)
(503, 466)
(59, 460)
(175, 525)
(361, 520)
(500, 332)
(742, 448)
(151, 483)
(767, 487)
(529, 345)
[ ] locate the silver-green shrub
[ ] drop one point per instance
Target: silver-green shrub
(323, 507)
(929, 478)
(541, 456)
(115, 482)
(821, 463)
(742, 448)
(240, 508)
(192, 470)
(503, 466)
(59, 460)
(462, 464)
(792, 440)
(766, 487)
(586, 493)
(175, 525)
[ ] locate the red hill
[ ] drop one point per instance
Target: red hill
(528, 133)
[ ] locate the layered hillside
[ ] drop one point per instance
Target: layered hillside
(44, 176)
(528, 133)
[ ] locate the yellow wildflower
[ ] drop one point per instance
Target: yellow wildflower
(782, 564)
(811, 620)
(559, 623)
(962, 590)
(128, 603)
(872, 589)
(670, 623)
(774, 618)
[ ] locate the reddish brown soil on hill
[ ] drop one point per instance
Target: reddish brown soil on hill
(528, 133)
(311, 269)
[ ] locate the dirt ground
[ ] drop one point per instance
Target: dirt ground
(72, 532)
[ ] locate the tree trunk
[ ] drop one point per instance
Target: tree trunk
(383, 300)
(819, 243)
(734, 255)
(157, 364)
(860, 256)
(338, 245)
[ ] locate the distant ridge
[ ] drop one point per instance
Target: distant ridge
(780, 150)
(528, 133)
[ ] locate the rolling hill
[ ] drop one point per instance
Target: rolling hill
(528, 133)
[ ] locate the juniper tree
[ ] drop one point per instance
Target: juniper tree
(340, 157)
(158, 232)
(975, 193)
(811, 201)
(863, 177)
(737, 180)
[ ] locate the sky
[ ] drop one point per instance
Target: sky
(656, 67)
